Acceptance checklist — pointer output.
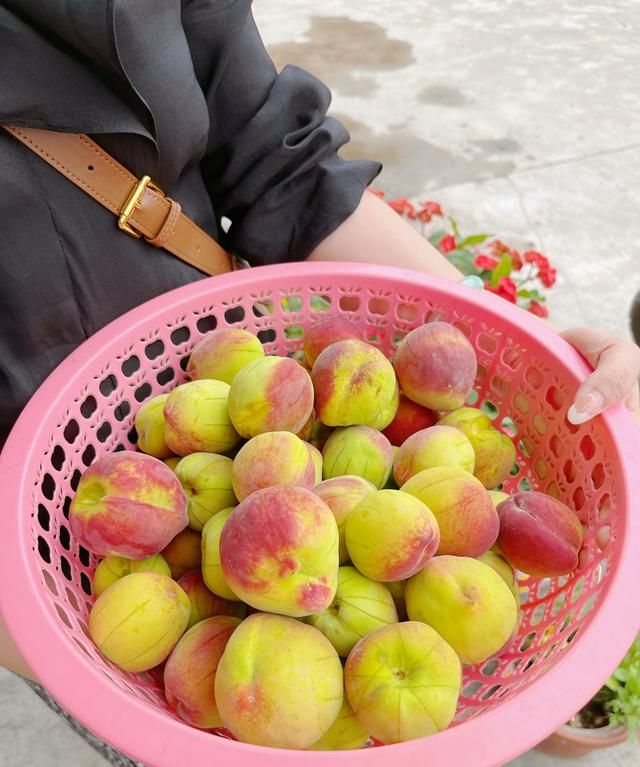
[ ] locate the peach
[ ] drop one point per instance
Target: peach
(467, 519)
(539, 535)
(322, 334)
(409, 418)
(497, 497)
(470, 420)
(360, 451)
(316, 457)
(149, 423)
(137, 621)
(204, 603)
(436, 366)
(319, 435)
(197, 418)
(222, 353)
(172, 462)
(112, 568)
(389, 537)
(211, 566)
(466, 602)
(494, 452)
(183, 553)
(279, 551)
(396, 589)
(342, 495)
(435, 446)
(403, 682)
(279, 683)
(306, 432)
(505, 571)
(354, 385)
(190, 671)
(275, 458)
(359, 607)
(129, 504)
(206, 480)
(270, 394)
(345, 733)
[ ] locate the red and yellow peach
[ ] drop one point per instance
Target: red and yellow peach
(222, 353)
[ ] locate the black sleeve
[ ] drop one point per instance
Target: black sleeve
(271, 165)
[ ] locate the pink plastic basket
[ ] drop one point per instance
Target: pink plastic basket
(574, 630)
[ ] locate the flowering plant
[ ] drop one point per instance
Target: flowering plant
(520, 278)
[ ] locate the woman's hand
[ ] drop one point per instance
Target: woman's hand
(617, 368)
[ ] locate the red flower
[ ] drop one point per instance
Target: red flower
(506, 288)
(516, 259)
(403, 207)
(447, 243)
(540, 310)
(533, 257)
(428, 210)
(481, 261)
(548, 276)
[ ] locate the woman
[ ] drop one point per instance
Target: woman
(186, 93)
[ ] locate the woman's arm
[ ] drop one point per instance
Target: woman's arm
(375, 234)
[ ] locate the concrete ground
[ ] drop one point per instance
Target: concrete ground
(522, 118)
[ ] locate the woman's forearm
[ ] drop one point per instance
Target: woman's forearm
(375, 234)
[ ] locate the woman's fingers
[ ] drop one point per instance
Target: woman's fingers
(617, 368)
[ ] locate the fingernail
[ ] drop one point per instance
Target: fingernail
(586, 406)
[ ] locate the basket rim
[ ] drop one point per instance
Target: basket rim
(144, 732)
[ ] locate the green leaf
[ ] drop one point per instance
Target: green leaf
(462, 260)
(534, 295)
(454, 226)
(502, 270)
(474, 239)
(435, 238)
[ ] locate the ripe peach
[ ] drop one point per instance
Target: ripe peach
(342, 495)
(137, 621)
(197, 418)
(270, 394)
(276, 458)
(322, 334)
(409, 418)
(149, 423)
(190, 671)
(435, 446)
(497, 497)
(345, 733)
(354, 384)
(389, 537)
(206, 480)
(129, 504)
(172, 462)
(467, 519)
(466, 602)
(222, 353)
(403, 682)
(204, 603)
(316, 457)
(279, 683)
(539, 535)
(494, 452)
(436, 366)
(112, 568)
(279, 551)
(211, 566)
(359, 451)
(183, 553)
(359, 607)
(306, 432)
(505, 571)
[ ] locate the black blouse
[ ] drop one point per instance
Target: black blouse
(182, 91)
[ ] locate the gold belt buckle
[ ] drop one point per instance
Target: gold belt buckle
(133, 202)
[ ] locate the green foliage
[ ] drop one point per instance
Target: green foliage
(624, 686)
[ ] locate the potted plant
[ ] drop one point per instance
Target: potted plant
(520, 278)
(609, 718)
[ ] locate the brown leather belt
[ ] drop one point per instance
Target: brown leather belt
(142, 208)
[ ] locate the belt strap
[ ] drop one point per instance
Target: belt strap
(142, 208)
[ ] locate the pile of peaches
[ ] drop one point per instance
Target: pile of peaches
(309, 551)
